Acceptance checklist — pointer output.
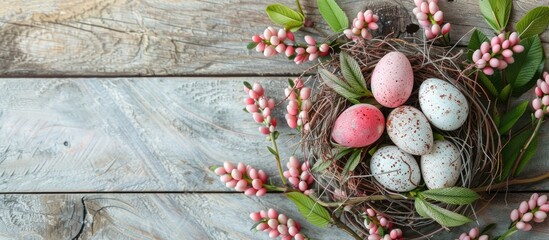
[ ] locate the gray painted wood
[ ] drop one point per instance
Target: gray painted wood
(178, 37)
(180, 216)
(135, 134)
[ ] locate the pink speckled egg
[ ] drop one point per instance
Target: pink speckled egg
(395, 169)
(392, 80)
(409, 129)
(358, 126)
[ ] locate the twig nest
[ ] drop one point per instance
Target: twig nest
(443, 104)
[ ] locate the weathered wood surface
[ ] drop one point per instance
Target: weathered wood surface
(181, 216)
(177, 37)
(134, 134)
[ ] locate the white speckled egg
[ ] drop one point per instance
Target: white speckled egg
(392, 80)
(409, 130)
(441, 167)
(395, 169)
(443, 104)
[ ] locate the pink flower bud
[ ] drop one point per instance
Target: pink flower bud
(536, 103)
(300, 51)
(523, 207)
(514, 215)
(310, 40)
(274, 233)
(494, 62)
(421, 16)
(281, 34)
(473, 233)
(373, 26)
(324, 47)
(518, 48)
(260, 47)
(261, 192)
(480, 63)
(365, 34)
(501, 37)
(273, 214)
(370, 212)
(273, 223)
(250, 192)
(544, 207)
(294, 162)
(544, 101)
(539, 113)
(311, 49)
(299, 236)
(495, 41)
(424, 7)
(425, 23)
(255, 216)
(289, 51)
(271, 103)
(544, 87)
(235, 174)
(418, 2)
(264, 130)
(294, 181)
(290, 35)
(358, 23)
(241, 185)
(527, 217)
(485, 47)
(429, 34)
(502, 65)
(476, 56)
(505, 44)
(360, 16)
(267, 33)
(433, 7)
(509, 60)
(496, 48)
(540, 215)
(220, 171)
(438, 16)
(435, 29)
(507, 53)
(269, 51)
(513, 38)
(258, 117)
(281, 48)
(488, 71)
(483, 237)
(445, 29)
(303, 186)
(538, 91)
(348, 33)
(262, 226)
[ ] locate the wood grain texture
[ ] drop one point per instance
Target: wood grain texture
(135, 134)
(180, 216)
(176, 37)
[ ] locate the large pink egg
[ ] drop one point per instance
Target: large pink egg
(358, 126)
(392, 80)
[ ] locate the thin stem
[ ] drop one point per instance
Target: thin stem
(507, 234)
(345, 228)
(277, 157)
(512, 182)
(523, 149)
(299, 7)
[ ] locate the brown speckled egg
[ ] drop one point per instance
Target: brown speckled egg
(409, 130)
(443, 104)
(441, 167)
(395, 169)
(392, 80)
(358, 126)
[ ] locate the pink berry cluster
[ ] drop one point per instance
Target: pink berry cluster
(541, 102)
(277, 225)
(362, 25)
(260, 108)
(473, 234)
(299, 104)
(534, 210)
(431, 18)
(498, 53)
(298, 175)
(243, 178)
(272, 42)
(374, 221)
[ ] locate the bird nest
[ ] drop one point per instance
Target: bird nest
(357, 190)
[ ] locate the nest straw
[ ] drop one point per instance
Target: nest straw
(477, 138)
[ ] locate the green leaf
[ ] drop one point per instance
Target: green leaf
(213, 168)
(342, 152)
(272, 151)
(487, 83)
(442, 216)
(522, 71)
(510, 118)
(321, 165)
(528, 154)
(511, 151)
(496, 13)
(534, 22)
(488, 228)
(312, 211)
(477, 38)
(438, 136)
(291, 83)
(353, 161)
(337, 85)
(333, 15)
(247, 84)
(505, 93)
(251, 45)
(352, 73)
(452, 195)
(285, 16)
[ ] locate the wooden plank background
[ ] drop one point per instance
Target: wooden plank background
(90, 150)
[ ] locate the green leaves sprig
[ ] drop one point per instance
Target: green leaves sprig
(534, 22)
(285, 16)
(445, 217)
(333, 15)
(311, 210)
(354, 87)
(496, 13)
